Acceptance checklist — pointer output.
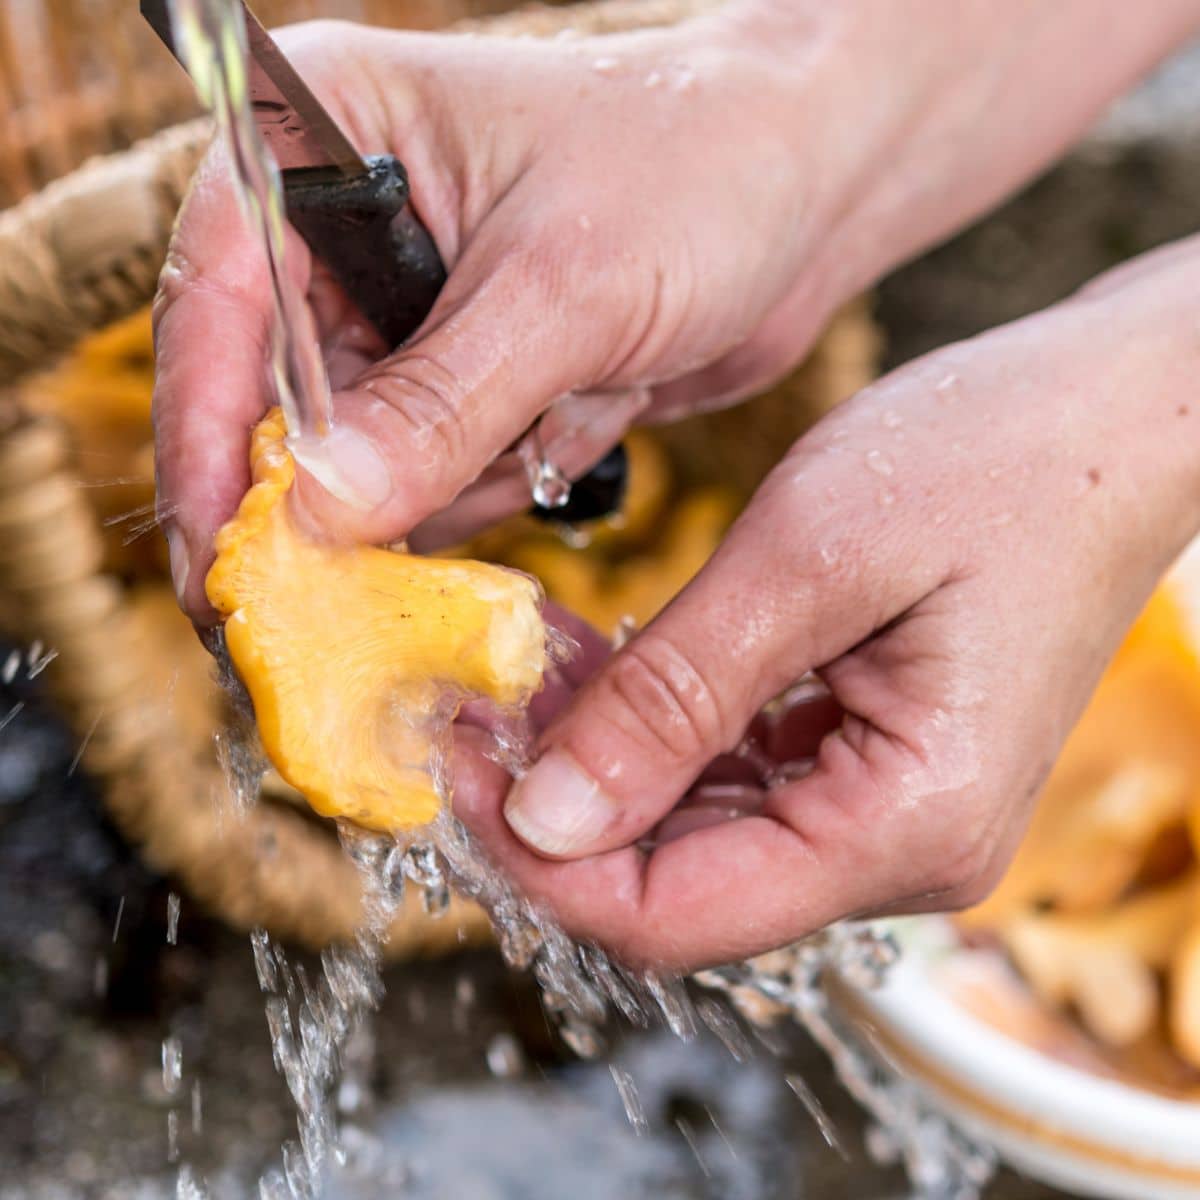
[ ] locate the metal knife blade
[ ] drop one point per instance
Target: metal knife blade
(298, 131)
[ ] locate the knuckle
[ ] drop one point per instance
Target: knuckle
(427, 399)
(665, 704)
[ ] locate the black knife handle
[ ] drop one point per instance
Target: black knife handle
(367, 234)
(365, 231)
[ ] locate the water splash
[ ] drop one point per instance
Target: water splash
(816, 1110)
(942, 1162)
(173, 908)
(188, 1186)
(635, 1113)
(583, 990)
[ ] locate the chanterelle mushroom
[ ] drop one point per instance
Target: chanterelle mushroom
(356, 657)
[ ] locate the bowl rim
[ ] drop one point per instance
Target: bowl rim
(1002, 1082)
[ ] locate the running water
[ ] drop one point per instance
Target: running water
(314, 1022)
(211, 38)
(583, 991)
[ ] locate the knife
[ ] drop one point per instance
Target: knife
(355, 214)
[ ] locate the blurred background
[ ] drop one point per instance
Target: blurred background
(465, 1087)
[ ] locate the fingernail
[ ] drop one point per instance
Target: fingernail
(347, 466)
(180, 561)
(558, 808)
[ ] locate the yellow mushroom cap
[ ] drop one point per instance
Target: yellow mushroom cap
(356, 658)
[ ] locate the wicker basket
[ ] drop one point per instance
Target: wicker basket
(85, 77)
(78, 255)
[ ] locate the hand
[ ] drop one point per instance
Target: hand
(587, 197)
(642, 223)
(956, 553)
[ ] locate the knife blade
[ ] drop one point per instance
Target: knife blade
(297, 130)
(353, 212)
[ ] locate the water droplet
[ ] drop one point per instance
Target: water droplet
(828, 555)
(891, 419)
(688, 1134)
(12, 714)
(560, 645)
(505, 1058)
(671, 997)
(173, 906)
(264, 960)
(512, 744)
(584, 222)
(683, 80)
(816, 1110)
(12, 665)
(548, 486)
(630, 1100)
(887, 497)
(791, 771)
(653, 79)
(551, 488)
(172, 1136)
(880, 463)
(724, 1024)
(624, 632)
(606, 66)
(464, 1002)
(947, 388)
(172, 1065)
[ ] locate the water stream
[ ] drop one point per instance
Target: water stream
(211, 38)
(314, 1021)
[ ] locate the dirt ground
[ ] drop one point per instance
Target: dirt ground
(89, 988)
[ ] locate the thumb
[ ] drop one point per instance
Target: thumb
(422, 424)
(761, 614)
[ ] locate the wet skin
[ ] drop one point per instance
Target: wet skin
(955, 551)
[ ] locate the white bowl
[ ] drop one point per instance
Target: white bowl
(1054, 1122)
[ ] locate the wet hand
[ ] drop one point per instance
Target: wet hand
(588, 197)
(642, 224)
(955, 554)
